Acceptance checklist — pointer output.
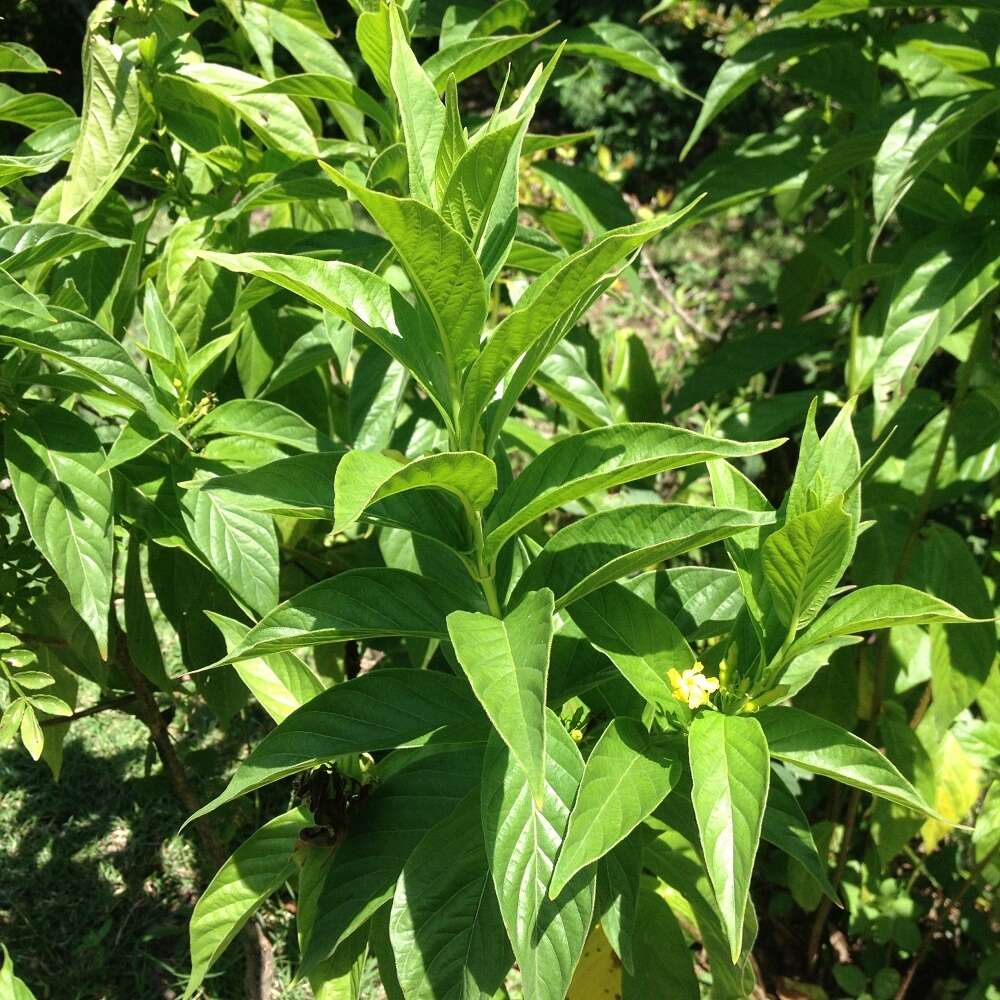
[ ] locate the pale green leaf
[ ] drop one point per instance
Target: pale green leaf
(465, 58)
(53, 460)
(626, 777)
(421, 113)
(507, 663)
(731, 773)
(814, 744)
(641, 641)
(598, 460)
(266, 420)
(802, 561)
(522, 843)
(112, 119)
(364, 478)
(883, 606)
(274, 118)
(281, 682)
(441, 265)
(256, 869)
(554, 300)
(30, 244)
(239, 545)
(365, 300)
(603, 547)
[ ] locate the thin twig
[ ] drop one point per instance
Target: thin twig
(103, 706)
(661, 285)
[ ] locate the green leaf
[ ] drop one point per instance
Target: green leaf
(731, 773)
(507, 663)
(963, 655)
(365, 300)
(870, 608)
(364, 478)
(34, 680)
(33, 111)
(30, 244)
(112, 119)
(599, 460)
(300, 486)
(802, 561)
(663, 962)
(274, 118)
(239, 545)
(267, 421)
(564, 377)
(379, 710)
(602, 547)
(626, 777)
(942, 278)
(641, 642)
(18, 58)
(818, 10)
(358, 604)
(323, 86)
(701, 601)
(70, 339)
(446, 931)
(441, 265)
(10, 721)
(421, 113)
(386, 826)
(618, 874)
(916, 139)
(51, 704)
(454, 141)
(135, 438)
(755, 59)
(141, 639)
(822, 747)
(31, 733)
(281, 682)
(53, 460)
(374, 40)
(257, 868)
(622, 46)
(554, 301)
(522, 843)
(480, 200)
(786, 826)
(467, 57)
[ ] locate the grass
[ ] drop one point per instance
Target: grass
(96, 885)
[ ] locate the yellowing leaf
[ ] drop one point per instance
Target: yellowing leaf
(599, 974)
(956, 789)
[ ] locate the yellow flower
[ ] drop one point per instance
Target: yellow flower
(692, 687)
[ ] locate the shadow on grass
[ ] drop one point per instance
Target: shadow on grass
(96, 888)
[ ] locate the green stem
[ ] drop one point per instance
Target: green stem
(857, 259)
(477, 566)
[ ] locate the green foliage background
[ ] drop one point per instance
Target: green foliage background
(838, 281)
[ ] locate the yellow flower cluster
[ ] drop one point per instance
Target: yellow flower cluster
(692, 687)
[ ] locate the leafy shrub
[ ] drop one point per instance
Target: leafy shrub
(336, 404)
